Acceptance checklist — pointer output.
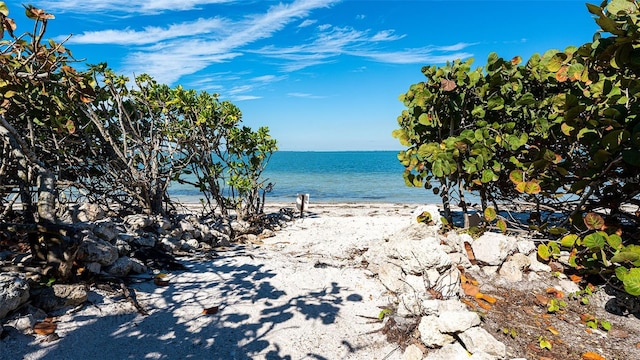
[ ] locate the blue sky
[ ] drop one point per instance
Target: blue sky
(321, 74)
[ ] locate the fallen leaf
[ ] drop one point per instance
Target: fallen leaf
(160, 282)
(211, 310)
(553, 330)
(470, 289)
(470, 254)
(557, 293)
(541, 300)
(590, 355)
(44, 328)
(575, 278)
(488, 298)
(586, 317)
(483, 304)
(468, 303)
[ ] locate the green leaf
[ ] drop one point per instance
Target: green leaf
(615, 241)
(569, 240)
(605, 325)
(621, 273)
(555, 63)
(490, 214)
(488, 175)
(516, 176)
(4, 10)
(625, 256)
(502, 225)
(543, 252)
(632, 282)
(495, 102)
(595, 241)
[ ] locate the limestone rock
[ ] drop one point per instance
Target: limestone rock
(58, 296)
(14, 291)
(412, 352)
(138, 221)
(416, 257)
(390, 275)
(430, 334)
(97, 250)
(493, 248)
(448, 352)
(90, 212)
(457, 321)
(106, 231)
(125, 265)
(477, 339)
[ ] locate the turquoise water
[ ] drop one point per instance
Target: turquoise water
(345, 176)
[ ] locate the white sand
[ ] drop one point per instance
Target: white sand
(298, 296)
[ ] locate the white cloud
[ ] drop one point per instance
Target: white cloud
(360, 17)
(113, 7)
(151, 35)
(245, 97)
(456, 47)
(305, 95)
(386, 35)
(307, 22)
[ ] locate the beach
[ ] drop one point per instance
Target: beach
(302, 294)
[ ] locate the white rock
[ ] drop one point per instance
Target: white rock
(412, 352)
(510, 271)
(23, 324)
(139, 221)
(569, 286)
(121, 267)
(90, 212)
(457, 321)
(430, 306)
(409, 305)
(430, 334)
(148, 241)
(477, 339)
(416, 257)
(415, 284)
(390, 275)
(14, 291)
(448, 284)
(489, 270)
(97, 250)
(493, 248)
(453, 351)
(526, 247)
(537, 265)
(451, 305)
(106, 231)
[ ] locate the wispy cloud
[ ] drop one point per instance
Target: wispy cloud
(152, 35)
(307, 22)
(305, 95)
(333, 42)
(170, 52)
(112, 7)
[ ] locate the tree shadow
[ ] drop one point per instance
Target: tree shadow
(248, 316)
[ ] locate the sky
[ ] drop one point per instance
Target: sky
(322, 75)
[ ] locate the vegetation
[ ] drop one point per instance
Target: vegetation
(558, 135)
(72, 135)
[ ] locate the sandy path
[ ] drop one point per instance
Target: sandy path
(298, 296)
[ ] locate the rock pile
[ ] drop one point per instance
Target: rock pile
(423, 269)
(117, 247)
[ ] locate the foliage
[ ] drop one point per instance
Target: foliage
(558, 135)
(94, 135)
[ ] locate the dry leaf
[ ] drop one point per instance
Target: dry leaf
(541, 300)
(468, 303)
(483, 304)
(470, 289)
(44, 328)
(553, 330)
(575, 278)
(488, 298)
(557, 293)
(470, 254)
(211, 310)
(590, 355)
(586, 317)
(160, 282)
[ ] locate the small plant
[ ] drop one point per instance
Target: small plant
(384, 312)
(510, 332)
(544, 343)
(556, 305)
(592, 322)
(582, 295)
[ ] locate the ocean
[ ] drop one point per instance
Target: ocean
(334, 176)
